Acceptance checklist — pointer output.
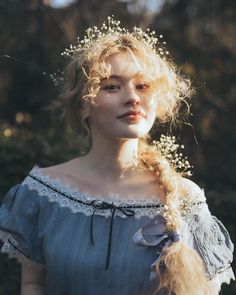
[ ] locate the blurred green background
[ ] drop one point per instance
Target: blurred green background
(201, 38)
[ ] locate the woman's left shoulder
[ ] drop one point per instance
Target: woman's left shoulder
(206, 234)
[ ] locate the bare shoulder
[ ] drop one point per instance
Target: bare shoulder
(59, 170)
(53, 171)
(72, 173)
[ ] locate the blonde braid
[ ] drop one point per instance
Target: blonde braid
(183, 267)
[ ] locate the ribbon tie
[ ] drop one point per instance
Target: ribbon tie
(101, 205)
(155, 235)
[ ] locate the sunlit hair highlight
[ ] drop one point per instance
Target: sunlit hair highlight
(83, 74)
(183, 268)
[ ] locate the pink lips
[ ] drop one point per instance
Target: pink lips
(131, 114)
(132, 117)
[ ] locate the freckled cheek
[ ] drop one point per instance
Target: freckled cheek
(151, 104)
(104, 112)
(104, 106)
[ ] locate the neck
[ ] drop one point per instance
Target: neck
(113, 159)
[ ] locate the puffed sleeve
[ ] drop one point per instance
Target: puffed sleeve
(19, 213)
(211, 240)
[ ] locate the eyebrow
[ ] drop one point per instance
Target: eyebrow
(112, 77)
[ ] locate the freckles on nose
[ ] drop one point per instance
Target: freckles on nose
(151, 105)
(132, 95)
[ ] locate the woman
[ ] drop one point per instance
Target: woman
(119, 219)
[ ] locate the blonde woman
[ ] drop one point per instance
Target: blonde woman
(120, 219)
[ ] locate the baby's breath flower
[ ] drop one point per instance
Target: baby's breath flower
(56, 77)
(169, 149)
(112, 27)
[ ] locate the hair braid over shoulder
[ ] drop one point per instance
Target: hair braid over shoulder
(183, 267)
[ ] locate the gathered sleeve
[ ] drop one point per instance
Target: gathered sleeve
(210, 238)
(19, 217)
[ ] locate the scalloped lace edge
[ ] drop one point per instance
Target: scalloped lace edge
(75, 207)
(12, 252)
(223, 276)
(85, 196)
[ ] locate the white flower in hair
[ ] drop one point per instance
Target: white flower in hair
(170, 150)
(112, 27)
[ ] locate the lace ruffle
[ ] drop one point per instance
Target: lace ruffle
(77, 201)
(12, 249)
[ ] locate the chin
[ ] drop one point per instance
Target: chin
(138, 132)
(130, 135)
(127, 133)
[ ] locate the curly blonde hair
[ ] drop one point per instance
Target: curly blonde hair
(184, 268)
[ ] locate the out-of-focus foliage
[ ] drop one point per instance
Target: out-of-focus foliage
(200, 37)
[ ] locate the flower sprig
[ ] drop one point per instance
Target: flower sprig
(112, 27)
(56, 77)
(170, 150)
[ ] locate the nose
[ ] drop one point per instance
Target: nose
(131, 96)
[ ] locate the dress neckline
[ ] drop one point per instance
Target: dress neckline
(77, 201)
(77, 193)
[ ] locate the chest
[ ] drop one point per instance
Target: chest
(68, 250)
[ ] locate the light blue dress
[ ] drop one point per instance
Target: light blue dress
(95, 246)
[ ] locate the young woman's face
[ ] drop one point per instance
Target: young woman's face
(126, 90)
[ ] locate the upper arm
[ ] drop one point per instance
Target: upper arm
(33, 275)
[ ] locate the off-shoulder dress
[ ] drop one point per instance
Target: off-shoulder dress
(103, 246)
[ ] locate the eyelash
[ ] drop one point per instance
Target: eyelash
(144, 86)
(114, 87)
(111, 87)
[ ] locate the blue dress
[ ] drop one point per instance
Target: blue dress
(90, 245)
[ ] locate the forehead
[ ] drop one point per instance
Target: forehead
(125, 65)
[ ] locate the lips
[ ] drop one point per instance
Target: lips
(133, 113)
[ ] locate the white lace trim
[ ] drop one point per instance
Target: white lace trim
(12, 251)
(223, 276)
(72, 196)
